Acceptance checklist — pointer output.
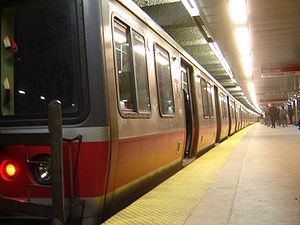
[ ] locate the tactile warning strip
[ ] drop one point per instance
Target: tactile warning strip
(172, 201)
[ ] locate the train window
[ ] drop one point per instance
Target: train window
(124, 66)
(237, 115)
(223, 106)
(139, 54)
(232, 109)
(226, 108)
(40, 59)
(184, 80)
(131, 69)
(164, 82)
(210, 102)
(204, 98)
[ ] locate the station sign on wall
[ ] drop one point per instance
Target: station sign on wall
(280, 72)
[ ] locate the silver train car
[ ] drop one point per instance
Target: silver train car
(135, 109)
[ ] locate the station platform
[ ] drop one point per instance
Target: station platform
(251, 178)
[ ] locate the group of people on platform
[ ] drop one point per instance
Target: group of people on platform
(278, 115)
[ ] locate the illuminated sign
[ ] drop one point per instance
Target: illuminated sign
(280, 72)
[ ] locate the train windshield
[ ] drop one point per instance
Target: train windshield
(40, 58)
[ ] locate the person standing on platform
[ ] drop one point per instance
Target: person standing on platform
(273, 115)
(267, 117)
(278, 119)
(290, 114)
(283, 115)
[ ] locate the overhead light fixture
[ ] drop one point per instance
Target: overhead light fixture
(191, 7)
(247, 65)
(253, 96)
(215, 48)
(243, 39)
(238, 11)
(239, 17)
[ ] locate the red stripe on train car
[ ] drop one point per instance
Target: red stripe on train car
(140, 155)
(136, 157)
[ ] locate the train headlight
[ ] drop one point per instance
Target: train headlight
(41, 168)
(9, 170)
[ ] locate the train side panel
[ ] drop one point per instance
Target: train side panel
(145, 148)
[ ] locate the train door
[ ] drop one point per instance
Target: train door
(186, 73)
(229, 114)
(218, 114)
(232, 116)
(239, 118)
(236, 117)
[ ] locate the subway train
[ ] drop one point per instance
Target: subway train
(135, 108)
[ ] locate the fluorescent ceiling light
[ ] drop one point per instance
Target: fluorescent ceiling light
(191, 7)
(251, 90)
(238, 11)
(243, 40)
(253, 96)
(247, 65)
(215, 48)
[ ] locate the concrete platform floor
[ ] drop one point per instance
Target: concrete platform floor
(252, 178)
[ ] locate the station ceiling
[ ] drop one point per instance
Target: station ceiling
(274, 38)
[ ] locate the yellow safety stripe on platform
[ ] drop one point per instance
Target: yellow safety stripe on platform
(172, 201)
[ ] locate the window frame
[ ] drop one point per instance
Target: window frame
(83, 98)
(223, 105)
(135, 112)
(157, 82)
(205, 116)
(240, 113)
(232, 109)
(132, 84)
(210, 100)
(146, 76)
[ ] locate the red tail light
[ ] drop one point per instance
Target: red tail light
(9, 170)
